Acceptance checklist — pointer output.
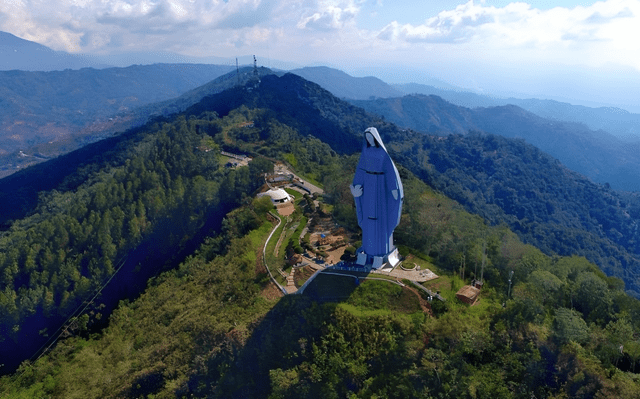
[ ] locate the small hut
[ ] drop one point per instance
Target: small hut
(468, 294)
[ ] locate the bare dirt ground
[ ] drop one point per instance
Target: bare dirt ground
(286, 209)
(271, 292)
(333, 256)
(424, 304)
(415, 275)
(302, 274)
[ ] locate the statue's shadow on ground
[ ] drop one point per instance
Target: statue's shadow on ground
(281, 340)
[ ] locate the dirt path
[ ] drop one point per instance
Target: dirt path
(424, 304)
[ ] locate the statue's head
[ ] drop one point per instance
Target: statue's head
(371, 141)
(372, 138)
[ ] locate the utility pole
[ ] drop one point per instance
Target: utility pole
(484, 260)
(510, 279)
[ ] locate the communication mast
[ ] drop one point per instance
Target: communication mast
(255, 67)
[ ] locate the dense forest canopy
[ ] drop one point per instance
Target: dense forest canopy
(208, 329)
(503, 180)
(168, 183)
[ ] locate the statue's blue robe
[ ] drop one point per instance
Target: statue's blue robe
(378, 212)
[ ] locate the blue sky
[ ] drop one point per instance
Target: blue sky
(579, 51)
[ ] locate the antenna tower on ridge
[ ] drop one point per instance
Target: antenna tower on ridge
(255, 67)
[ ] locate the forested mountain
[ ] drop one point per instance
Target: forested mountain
(44, 114)
(536, 195)
(138, 198)
(211, 328)
(342, 85)
(595, 154)
(621, 123)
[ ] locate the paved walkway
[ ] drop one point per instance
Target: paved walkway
(312, 188)
(415, 275)
(291, 284)
(264, 255)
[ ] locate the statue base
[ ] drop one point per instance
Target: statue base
(378, 262)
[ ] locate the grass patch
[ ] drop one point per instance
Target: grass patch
(257, 238)
(291, 159)
(360, 312)
(326, 208)
(297, 195)
(274, 263)
(423, 263)
(376, 294)
(303, 223)
(448, 285)
(223, 160)
(367, 298)
(382, 277)
(311, 178)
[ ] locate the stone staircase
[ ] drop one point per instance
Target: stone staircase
(291, 284)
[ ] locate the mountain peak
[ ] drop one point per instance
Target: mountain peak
(7, 39)
(343, 85)
(25, 55)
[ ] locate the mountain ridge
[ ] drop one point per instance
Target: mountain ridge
(342, 85)
(50, 113)
(316, 112)
(616, 234)
(211, 327)
(595, 154)
(616, 121)
(20, 54)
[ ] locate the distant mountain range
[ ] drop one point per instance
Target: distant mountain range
(20, 54)
(596, 154)
(619, 122)
(44, 114)
(343, 85)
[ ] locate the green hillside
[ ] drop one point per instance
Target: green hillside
(212, 326)
(45, 114)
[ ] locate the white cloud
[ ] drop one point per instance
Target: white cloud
(328, 31)
(331, 15)
(89, 26)
(584, 33)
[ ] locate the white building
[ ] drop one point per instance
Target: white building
(278, 196)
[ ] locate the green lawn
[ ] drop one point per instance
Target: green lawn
(297, 195)
(225, 159)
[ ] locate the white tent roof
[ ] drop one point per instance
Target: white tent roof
(278, 194)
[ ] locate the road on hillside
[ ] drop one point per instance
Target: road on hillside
(313, 189)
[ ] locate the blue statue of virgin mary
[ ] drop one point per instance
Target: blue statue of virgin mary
(378, 194)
